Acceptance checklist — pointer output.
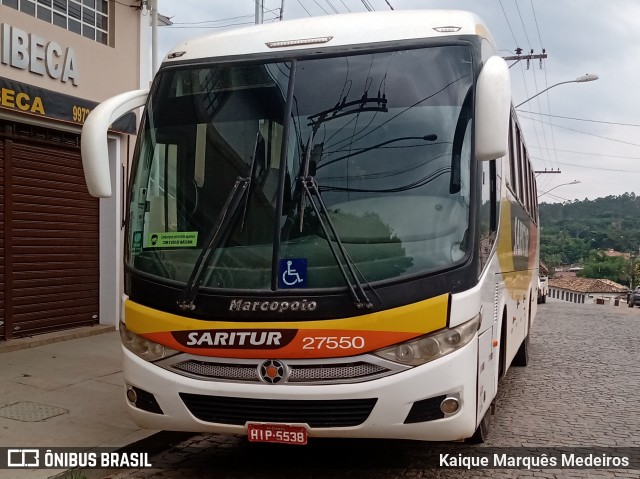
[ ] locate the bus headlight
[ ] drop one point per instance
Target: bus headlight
(142, 347)
(431, 346)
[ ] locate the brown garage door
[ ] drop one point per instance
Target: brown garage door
(51, 265)
(2, 253)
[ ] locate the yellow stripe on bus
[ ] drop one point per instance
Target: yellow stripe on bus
(516, 279)
(421, 318)
(289, 339)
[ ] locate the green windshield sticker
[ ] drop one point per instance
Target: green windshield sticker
(177, 239)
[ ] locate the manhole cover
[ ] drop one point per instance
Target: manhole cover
(27, 411)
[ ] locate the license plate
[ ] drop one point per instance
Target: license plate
(279, 433)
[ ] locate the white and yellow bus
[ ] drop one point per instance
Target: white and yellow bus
(332, 230)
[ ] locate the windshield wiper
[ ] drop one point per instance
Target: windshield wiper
(219, 231)
(241, 190)
(311, 191)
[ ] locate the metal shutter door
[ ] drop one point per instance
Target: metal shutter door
(54, 229)
(2, 251)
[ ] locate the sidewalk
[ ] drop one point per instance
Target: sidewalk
(60, 392)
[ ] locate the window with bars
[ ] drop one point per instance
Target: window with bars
(89, 18)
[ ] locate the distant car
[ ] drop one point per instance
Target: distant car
(633, 297)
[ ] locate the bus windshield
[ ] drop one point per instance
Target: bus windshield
(381, 142)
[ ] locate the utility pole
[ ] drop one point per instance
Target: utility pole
(153, 6)
(519, 56)
(259, 11)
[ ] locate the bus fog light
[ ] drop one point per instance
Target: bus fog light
(450, 405)
(131, 395)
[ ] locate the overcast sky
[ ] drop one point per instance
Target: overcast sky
(599, 146)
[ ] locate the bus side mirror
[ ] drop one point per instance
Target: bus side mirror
(94, 150)
(493, 110)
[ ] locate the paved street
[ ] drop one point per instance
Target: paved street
(580, 389)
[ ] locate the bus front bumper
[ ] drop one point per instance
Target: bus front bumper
(403, 403)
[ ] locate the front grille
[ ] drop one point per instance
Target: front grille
(315, 413)
(296, 371)
(334, 371)
(238, 372)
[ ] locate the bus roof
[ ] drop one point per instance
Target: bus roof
(332, 31)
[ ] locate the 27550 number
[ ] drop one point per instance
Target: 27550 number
(333, 342)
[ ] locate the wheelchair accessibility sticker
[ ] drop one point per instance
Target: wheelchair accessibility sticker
(292, 273)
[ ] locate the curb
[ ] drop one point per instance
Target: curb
(55, 337)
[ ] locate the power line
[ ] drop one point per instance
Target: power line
(389, 4)
(582, 119)
(593, 167)
(366, 5)
(586, 133)
(213, 21)
(546, 82)
(546, 79)
(518, 50)
(221, 20)
(508, 23)
(335, 10)
(215, 26)
(555, 196)
(320, 7)
(345, 6)
(535, 18)
(303, 7)
(589, 154)
(523, 27)
(535, 80)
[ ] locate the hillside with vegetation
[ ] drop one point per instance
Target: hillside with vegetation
(583, 232)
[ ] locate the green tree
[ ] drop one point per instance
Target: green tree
(572, 230)
(604, 267)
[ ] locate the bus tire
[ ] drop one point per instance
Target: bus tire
(482, 432)
(521, 358)
(502, 352)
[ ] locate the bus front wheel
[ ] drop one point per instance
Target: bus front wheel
(521, 358)
(482, 432)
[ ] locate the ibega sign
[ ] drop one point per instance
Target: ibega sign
(27, 51)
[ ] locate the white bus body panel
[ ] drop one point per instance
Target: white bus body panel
(332, 31)
(453, 374)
